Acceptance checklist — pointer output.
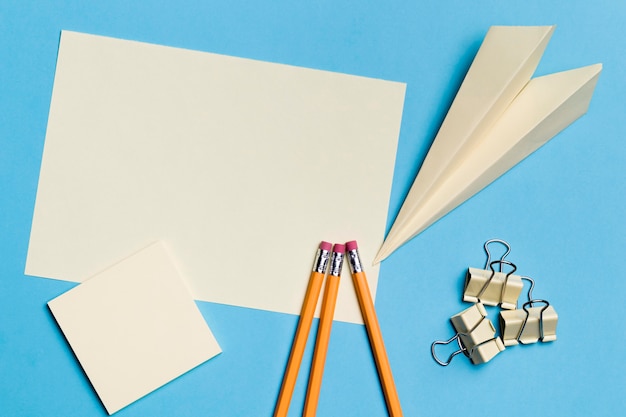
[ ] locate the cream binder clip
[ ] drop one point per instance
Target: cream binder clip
(475, 335)
(490, 287)
(530, 324)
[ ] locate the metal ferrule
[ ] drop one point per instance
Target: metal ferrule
(336, 263)
(321, 261)
(354, 261)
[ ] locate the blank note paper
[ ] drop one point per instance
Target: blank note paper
(134, 327)
(233, 162)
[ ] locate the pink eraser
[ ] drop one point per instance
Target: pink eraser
(339, 248)
(351, 245)
(325, 246)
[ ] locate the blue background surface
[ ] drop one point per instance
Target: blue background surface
(561, 210)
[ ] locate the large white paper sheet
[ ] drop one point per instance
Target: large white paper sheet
(134, 327)
(241, 166)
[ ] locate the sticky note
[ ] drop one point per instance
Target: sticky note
(134, 327)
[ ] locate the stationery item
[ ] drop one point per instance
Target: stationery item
(373, 329)
(498, 118)
(134, 327)
(320, 265)
(529, 324)
(493, 288)
(475, 336)
(490, 287)
(323, 331)
(485, 351)
(218, 156)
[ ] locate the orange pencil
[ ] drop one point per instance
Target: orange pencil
(323, 332)
(373, 330)
(304, 326)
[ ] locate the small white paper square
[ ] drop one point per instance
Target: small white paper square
(134, 327)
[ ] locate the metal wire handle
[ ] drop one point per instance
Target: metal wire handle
(502, 242)
(530, 303)
(462, 349)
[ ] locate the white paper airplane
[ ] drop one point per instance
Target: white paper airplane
(497, 119)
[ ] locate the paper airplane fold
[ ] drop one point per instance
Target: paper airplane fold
(497, 119)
